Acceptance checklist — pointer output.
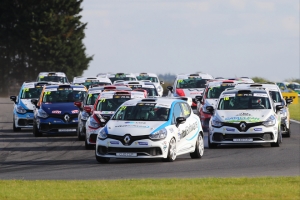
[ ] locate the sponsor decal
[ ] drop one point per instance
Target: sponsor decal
(132, 126)
(56, 112)
(135, 122)
(143, 143)
(165, 146)
(74, 111)
(243, 114)
(171, 130)
(242, 118)
(114, 142)
(260, 95)
(257, 129)
(230, 129)
(188, 129)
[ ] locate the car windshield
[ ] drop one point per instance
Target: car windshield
(30, 93)
(191, 83)
(91, 99)
(215, 92)
(243, 102)
(151, 92)
(110, 104)
(122, 78)
(53, 79)
(150, 78)
(142, 112)
(64, 95)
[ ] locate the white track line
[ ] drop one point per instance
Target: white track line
(297, 122)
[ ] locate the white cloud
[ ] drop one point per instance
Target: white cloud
(238, 4)
(265, 6)
(291, 24)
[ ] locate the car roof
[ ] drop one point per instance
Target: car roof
(64, 85)
(81, 79)
(147, 74)
(120, 92)
(202, 75)
(62, 74)
(250, 90)
(126, 74)
(160, 101)
(220, 82)
(258, 85)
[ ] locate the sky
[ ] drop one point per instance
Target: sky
(228, 38)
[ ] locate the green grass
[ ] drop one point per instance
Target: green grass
(198, 188)
(295, 111)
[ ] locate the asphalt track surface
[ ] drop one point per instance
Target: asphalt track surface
(63, 157)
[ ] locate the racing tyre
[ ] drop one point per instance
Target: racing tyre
(15, 129)
(211, 145)
(102, 159)
(36, 132)
(172, 151)
(279, 140)
(80, 137)
(199, 150)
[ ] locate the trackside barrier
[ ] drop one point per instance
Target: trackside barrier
(291, 95)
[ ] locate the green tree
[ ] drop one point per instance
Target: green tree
(257, 79)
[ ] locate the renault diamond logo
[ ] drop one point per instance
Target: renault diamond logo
(127, 139)
(67, 118)
(243, 126)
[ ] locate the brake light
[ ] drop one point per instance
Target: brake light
(180, 92)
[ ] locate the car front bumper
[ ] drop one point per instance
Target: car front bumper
(56, 125)
(23, 120)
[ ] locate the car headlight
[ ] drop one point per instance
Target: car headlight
(41, 113)
(215, 122)
(20, 109)
(93, 123)
(158, 135)
(204, 109)
(84, 116)
(271, 121)
(102, 134)
(283, 114)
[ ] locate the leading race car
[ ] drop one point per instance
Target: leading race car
(23, 108)
(151, 128)
(105, 106)
(55, 111)
(245, 116)
(89, 101)
(189, 85)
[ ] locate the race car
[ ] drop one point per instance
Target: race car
(153, 78)
(89, 81)
(105, 106)
(59, 77)
(55, 111)
(190, 85)
(121, 77)
(210, 97)
(278, 99)
(151, 128)
(23, 108)
(245, 116)
(89, 101)
(147, 87)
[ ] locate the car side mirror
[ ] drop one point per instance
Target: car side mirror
(210, 109)
(199, 98)
(87, 109)
(35, 102)
(170, 88)
(161, 82)
(279, 107)
(78, 104)
(13, 98)
(289, 101)
(180, 120)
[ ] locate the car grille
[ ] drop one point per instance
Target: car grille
(219, 137)
(238, 126)
(55, 127)
(25, 122)
(93, 138)
(132, 138)
(29, 111)
(151, 151)
(72, 116)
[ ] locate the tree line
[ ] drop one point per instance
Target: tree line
(40, 35)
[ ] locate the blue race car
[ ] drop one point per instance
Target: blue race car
(55, 111)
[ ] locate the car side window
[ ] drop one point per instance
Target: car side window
(177, 112)
(186, 109)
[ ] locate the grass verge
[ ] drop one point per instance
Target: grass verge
(198, 188)
(294, 111)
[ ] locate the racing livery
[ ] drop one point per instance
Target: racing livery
(105, 106)
(245, 116)
(189, 85)
(55, 111)
(151, 128)
(23, 108)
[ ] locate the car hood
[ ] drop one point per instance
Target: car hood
(60, 108)
(211, 102)
(193, 92)
(250, 116)
(26, 103)
(134, 128)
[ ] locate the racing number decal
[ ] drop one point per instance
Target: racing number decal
(226, 98)
(123, 107)
(102, 100)
(47, 93)
(26, 89)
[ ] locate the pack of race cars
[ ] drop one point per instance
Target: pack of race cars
(124, 115)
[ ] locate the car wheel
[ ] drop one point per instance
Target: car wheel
(15, 129)
(36, 132)
(199, 149)
(102, 159)
(279, 140)
(172, 152)
(211, 145)
(80, 137)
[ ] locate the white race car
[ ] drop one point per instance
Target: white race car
(151, 128)
(245, 116)
(151, 77)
